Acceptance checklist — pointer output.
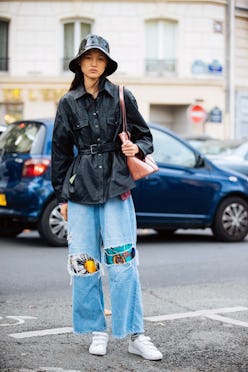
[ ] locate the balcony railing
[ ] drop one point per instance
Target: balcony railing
(158, 67)
(4, 64)
(161, 67)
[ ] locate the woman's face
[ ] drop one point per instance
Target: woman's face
(93, 64)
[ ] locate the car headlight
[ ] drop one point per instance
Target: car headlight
(232, 178)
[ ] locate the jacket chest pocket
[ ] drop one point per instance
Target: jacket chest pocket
(81, 131)
(112, 125)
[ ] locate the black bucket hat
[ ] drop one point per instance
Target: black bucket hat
(94, 42)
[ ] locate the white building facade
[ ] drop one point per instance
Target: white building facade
(171, 55)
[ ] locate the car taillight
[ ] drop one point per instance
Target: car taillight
(35, 167)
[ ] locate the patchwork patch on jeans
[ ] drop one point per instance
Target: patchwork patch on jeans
(120, 254)
(82, 264)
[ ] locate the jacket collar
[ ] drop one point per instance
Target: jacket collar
(105, 85)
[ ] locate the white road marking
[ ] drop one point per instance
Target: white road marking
(20, 320)
(48, 369)
(191, 314)
(211, 314)
(225, 319)
(41, 332)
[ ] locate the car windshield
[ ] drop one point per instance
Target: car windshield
(217, 147)
(23, 138)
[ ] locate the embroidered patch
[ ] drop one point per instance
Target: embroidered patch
(82, 264)
(120, 255)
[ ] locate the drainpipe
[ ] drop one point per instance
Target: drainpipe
(231, 130)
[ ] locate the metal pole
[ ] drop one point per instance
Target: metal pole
(230, 76)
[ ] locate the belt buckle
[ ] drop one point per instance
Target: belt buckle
(92, 147)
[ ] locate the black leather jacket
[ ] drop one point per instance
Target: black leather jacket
(98, 171)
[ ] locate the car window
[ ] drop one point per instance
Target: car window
(169, 150)
(23, 138)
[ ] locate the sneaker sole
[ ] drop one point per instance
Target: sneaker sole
(132, 350)
(98, 354)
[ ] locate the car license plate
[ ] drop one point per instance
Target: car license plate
(3, 201)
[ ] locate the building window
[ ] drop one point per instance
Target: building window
(161, 47)
(74, 32)
(4, 40)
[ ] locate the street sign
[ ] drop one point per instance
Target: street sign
(215, 67)
(197, 114)
(215, 115)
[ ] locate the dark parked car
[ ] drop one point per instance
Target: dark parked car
(216, 147)
(236, 158)
(231, 154)
(189, 191)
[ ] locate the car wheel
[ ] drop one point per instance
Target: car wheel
(52, 227)
(9, 228)
(231, 220)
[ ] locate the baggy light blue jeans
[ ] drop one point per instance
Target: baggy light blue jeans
(91, 230)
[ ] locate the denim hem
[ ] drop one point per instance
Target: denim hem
(89, 331)
(128, 333)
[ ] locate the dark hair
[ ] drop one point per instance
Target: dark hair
(78, 79)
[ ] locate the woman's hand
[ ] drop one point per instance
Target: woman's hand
(129, 148)
(64, 210)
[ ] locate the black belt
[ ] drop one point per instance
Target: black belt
(98, 148)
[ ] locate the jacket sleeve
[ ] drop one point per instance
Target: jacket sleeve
(62, 149)
(137, 126)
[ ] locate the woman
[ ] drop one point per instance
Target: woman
(93, 190)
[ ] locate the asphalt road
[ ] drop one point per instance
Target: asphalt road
(195, 307)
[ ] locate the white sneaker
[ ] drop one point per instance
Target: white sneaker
(143, 346)
(99, 343)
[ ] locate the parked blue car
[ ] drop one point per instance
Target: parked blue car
(189, 191)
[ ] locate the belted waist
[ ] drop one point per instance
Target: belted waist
(98, 148)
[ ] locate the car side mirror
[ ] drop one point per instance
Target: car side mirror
(200, 161)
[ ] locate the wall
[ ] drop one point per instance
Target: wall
(36, 53)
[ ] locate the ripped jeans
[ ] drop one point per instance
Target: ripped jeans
(97, 234)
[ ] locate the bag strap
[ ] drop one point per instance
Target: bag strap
(123, 108)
